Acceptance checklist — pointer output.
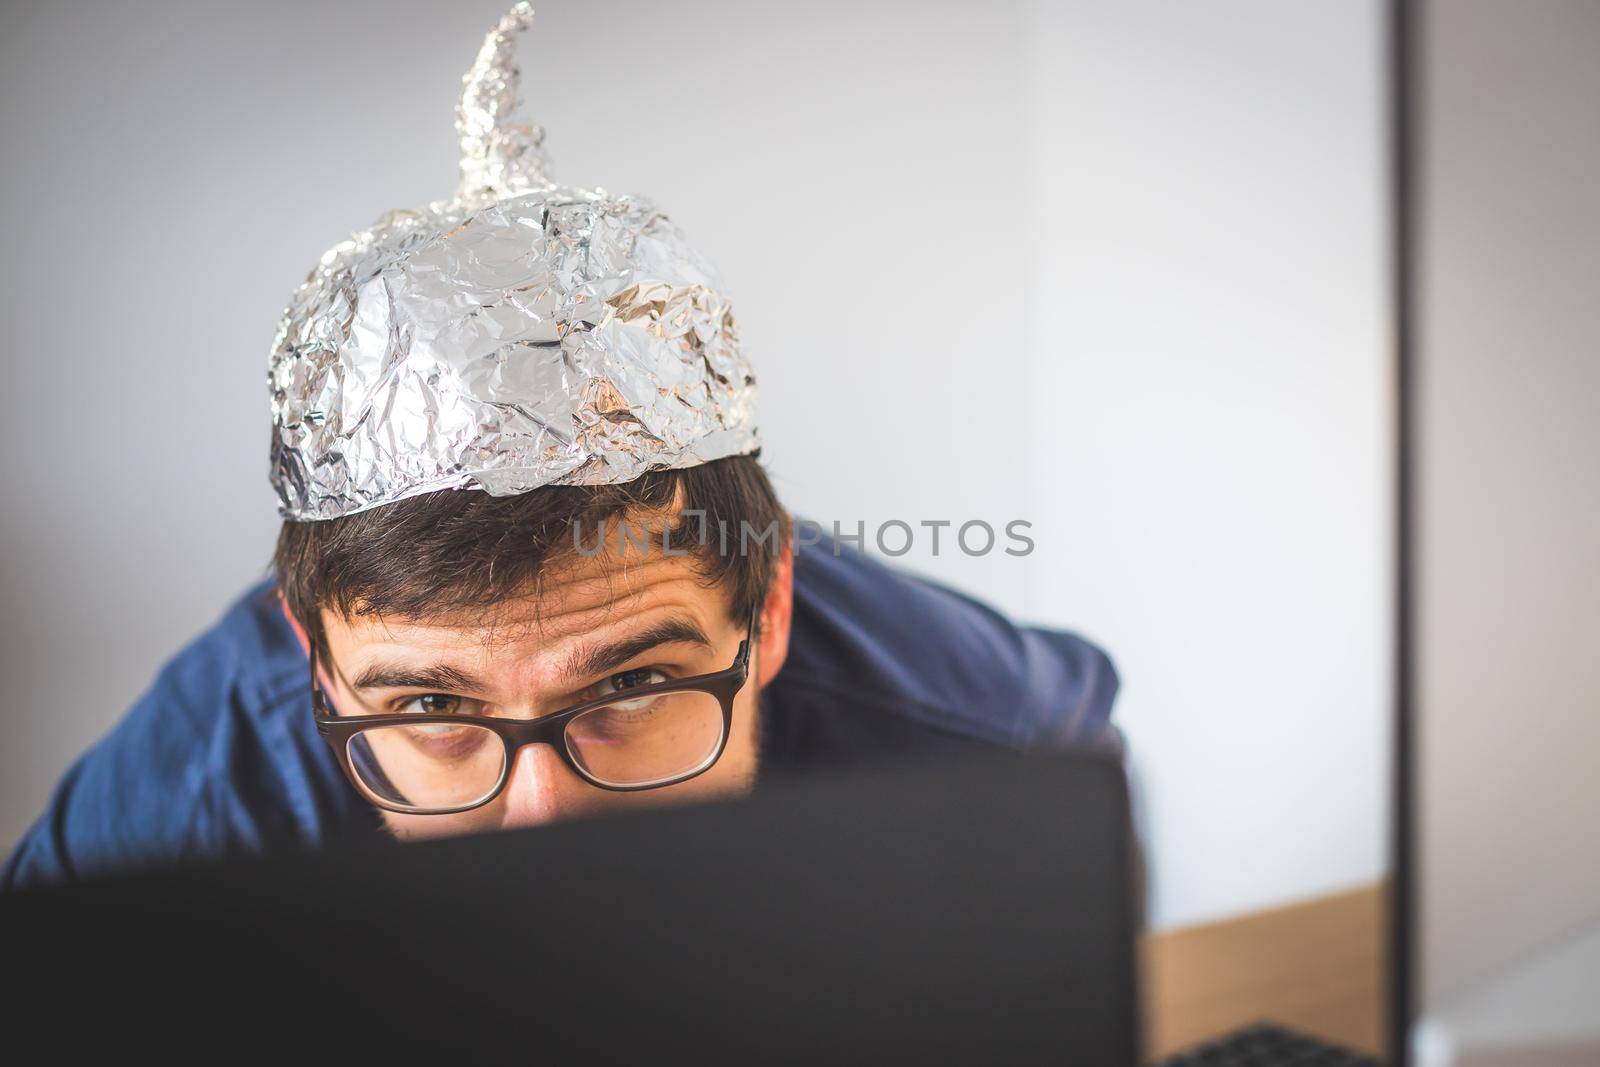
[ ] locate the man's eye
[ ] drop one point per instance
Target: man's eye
(438, 704)
(634, 679)
(631, 680)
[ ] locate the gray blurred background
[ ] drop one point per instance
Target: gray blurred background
(1112, 268)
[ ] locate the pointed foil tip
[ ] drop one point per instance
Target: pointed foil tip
(520, 335)
(501, 155)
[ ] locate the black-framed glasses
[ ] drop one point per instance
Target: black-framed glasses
(439, 764)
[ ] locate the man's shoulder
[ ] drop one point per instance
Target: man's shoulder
(879, 655)
(247, 664)
(217, 756)
(250, 650)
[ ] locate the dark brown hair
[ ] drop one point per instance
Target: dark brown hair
(462, 550)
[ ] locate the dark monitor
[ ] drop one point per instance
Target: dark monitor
(971, 912)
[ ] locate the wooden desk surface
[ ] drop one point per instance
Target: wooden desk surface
(1317, 967)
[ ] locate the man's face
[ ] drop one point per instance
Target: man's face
(527, 659)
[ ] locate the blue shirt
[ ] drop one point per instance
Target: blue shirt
(220, 756)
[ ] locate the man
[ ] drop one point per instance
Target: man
(530, 566)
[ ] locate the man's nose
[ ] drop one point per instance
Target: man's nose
(542, 788)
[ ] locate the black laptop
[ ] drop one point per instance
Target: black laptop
(971, 912)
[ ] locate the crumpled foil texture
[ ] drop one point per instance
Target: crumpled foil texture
(522, 334)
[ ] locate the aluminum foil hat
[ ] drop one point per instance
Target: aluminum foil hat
(519, 335)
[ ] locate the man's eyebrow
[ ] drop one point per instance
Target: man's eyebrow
(436, 676)
(582, 663)
(603, 659)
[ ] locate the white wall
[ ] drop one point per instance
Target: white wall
(1508, 503)
(1212, 412)
(1111, 268)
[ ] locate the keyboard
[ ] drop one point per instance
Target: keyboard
(1265, 1045)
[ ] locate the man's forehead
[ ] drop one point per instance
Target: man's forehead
(569, 604)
